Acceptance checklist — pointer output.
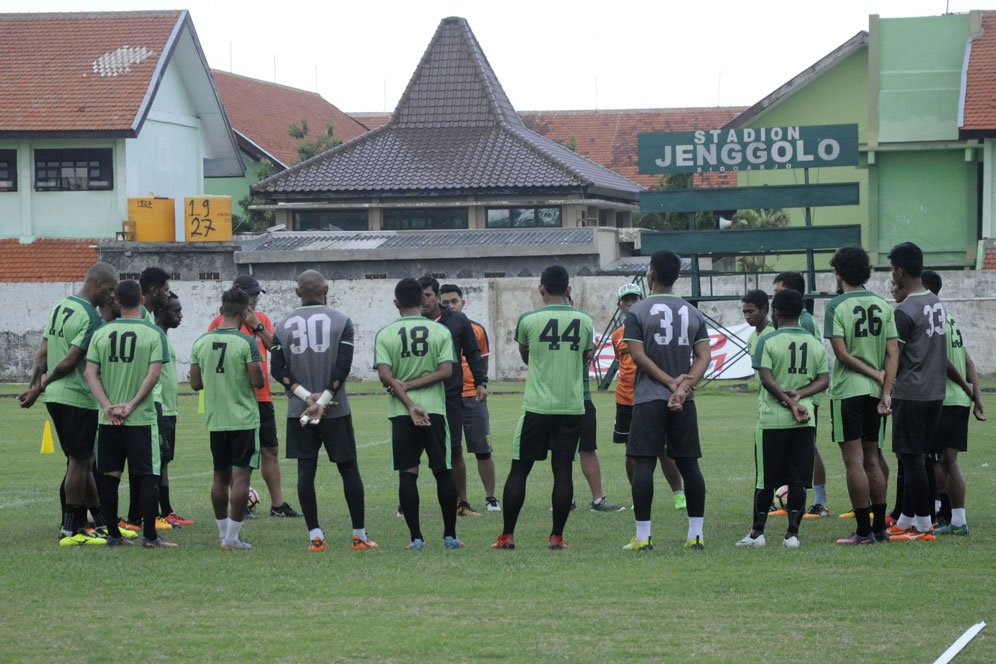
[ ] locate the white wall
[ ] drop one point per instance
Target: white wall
(495, 303)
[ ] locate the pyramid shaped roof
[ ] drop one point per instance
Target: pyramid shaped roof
(454, 132)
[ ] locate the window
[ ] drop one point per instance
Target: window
(8, 170)
(432, 219)
(524, 217)
(82, 169)
(335, 220)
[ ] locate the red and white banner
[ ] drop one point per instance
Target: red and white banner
(729, 362)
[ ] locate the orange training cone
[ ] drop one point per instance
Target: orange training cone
(47, 447)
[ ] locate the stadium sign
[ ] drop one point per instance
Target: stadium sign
(748, 149)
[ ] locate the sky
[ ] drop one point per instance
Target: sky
(548, 54)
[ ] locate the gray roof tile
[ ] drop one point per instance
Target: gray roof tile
(550, 238)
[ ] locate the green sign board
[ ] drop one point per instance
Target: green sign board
(738, 198)
(748, 149)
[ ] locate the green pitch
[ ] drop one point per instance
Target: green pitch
(593, 602)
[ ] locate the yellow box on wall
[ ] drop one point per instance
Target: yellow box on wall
(153, 218)
(207, 218)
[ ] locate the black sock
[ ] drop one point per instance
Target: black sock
(762, 503)
(165, 508)
(643, 486)
(796, 507)
(149, 501)
(69, 519)
(62, 494)
(563, 491)
(931, 487)
(408, 497)
(108, 489)
(352, 489)
(514, 494)
(945, 513)
(897, 507)
(878, 518)
(134, 494)
(916, 492)
(863, 521)
(695, 488)
(447, 496)
(306, 470)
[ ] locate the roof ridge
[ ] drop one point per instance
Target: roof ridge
(271, 83)
(96, 14)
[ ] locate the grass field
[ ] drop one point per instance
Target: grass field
(593, 602)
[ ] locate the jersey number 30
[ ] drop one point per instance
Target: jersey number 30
(314, 333)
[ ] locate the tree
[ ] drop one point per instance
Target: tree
(674, 221)
(309, 148)
(254, 221)
(759, 218)
(571, 144)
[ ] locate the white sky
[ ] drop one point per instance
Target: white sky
(548, 54)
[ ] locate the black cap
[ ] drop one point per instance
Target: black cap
(248, 284)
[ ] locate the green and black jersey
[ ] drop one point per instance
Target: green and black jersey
(169, 383)
(71, 323)
(123, 350)
(953, 394)
(865, 322)
(795, 358)
(412, 347)
(223, 355)
(558, 337)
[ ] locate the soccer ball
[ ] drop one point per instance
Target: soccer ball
(253, 500)
(782, 496)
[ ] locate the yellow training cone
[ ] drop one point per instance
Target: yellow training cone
(47, 446)
(200, 402)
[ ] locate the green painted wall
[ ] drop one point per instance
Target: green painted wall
(839, 96)
(237, 188)
(919, 79)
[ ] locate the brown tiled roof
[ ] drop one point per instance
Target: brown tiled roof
(979, 113)
(610, 137)
(454, 130)
(371, 120)
(989, 258)
(263, 111)
(46, 260)
(81, 73)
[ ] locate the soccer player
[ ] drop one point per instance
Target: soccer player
(476, 420)
(168, 318)
(663, 333)
(962, 394)
(792, 364)
(58, 373)
(414, 357)
(819, 509)
(627, 296)
(465, 343)
(124, 362)
(226, 364)
(916, 398)
(259, 326)
(556, 343)
(754, 306)
(312, 355)
(862, 331)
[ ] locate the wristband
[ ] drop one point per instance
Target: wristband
(325, 399)
(301, 393)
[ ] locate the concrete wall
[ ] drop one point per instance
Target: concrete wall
(495, 303)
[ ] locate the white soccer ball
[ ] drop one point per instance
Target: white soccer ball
(253, 500)
(782, 496)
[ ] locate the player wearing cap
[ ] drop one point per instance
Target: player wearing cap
(627, 296)
(259, 326)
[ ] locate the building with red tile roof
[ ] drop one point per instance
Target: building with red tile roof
(46, 260)
(99, 107)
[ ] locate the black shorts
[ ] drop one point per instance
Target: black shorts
(914, 425)
(454, 420)
(624, 417)
(335, 433)
(589, 428)
(952, 430)
(409, 441)
(784, 456)
(134, 444)
(267, 425)
(656, 430)
(537, 434)
(235, 449)
(167, 437)
(76, 429)
(476, 425)
(856, 418)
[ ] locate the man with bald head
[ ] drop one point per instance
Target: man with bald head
(311, 356)
(58, 372)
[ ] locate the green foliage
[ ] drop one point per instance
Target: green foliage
(572, 144)
(254, 221)
(309, 148)
(674, 221)
(760, 218)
